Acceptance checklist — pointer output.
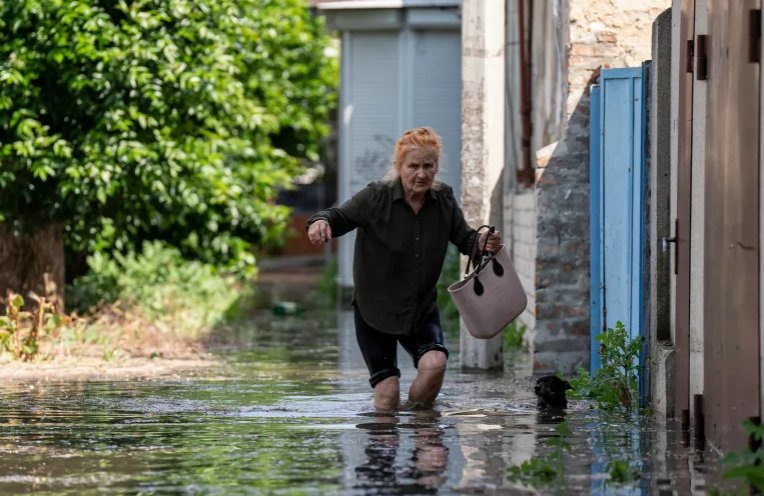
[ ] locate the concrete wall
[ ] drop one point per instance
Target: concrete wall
(676, 14)
(661, 350)
(483, 143)
(697, 227)
(609, 33)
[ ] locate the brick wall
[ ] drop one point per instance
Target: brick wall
(609, 33)
(524, 250)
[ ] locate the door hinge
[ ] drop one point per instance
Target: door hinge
(676, 247)
(755, 37)
(701, 55)
(690, 62)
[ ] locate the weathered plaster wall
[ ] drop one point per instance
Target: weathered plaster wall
(483, 139)
(600, 33)
(519, 202)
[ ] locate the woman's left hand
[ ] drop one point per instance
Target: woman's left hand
(494, 241)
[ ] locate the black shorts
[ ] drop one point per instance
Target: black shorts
(379, 348)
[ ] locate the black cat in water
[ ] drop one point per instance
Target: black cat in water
(550, 390)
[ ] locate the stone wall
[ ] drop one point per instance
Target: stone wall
(601, 33)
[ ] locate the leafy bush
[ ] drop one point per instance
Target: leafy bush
(133, 120)
(615, 384)
(171, 291)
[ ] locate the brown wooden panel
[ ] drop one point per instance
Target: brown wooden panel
(731, 272)
(682, 225)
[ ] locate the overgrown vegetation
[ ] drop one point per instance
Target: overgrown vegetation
(138, 303)
(615, 385)
(543, 471)
(177, 295)
(21, 332)
(158, 134)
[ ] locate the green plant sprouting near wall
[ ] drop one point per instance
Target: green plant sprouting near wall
(615, 385)
(747, 465)
(514, 336)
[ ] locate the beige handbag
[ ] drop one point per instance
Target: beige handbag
(491, 296)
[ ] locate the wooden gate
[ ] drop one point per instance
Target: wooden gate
(731, 275)
(616, 204)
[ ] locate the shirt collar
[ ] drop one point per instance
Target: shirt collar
(397, 190)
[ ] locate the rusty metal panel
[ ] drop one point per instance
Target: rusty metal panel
(684, 202)
(731, 272)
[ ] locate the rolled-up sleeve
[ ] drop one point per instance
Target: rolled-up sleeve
(348, 216)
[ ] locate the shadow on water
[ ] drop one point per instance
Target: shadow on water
(291, 415)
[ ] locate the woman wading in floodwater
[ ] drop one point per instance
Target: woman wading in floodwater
(404, 223)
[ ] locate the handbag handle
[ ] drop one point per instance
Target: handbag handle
(491, 230)
(477, 286)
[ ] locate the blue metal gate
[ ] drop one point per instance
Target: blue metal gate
(616, 204)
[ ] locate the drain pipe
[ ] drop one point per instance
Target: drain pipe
(526, 175)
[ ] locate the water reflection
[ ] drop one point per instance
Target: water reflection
(423, 468)
(291, 416)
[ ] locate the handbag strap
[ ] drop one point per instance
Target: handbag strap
(475, 244)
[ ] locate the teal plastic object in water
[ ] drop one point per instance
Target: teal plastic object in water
(283, 308)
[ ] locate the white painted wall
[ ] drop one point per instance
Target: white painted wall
(436, 92)
(370, 119)
(697, 230)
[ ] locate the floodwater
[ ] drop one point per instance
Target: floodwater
(291, 415)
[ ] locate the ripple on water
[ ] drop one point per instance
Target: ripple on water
(295, 419)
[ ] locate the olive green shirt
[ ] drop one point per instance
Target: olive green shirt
(399, 254)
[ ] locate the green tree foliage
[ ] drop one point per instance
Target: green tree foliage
(133, 120)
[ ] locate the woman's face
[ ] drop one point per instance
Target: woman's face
(418, 169)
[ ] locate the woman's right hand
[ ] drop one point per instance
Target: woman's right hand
(319, 232)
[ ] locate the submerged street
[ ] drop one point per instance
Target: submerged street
(290, 414)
